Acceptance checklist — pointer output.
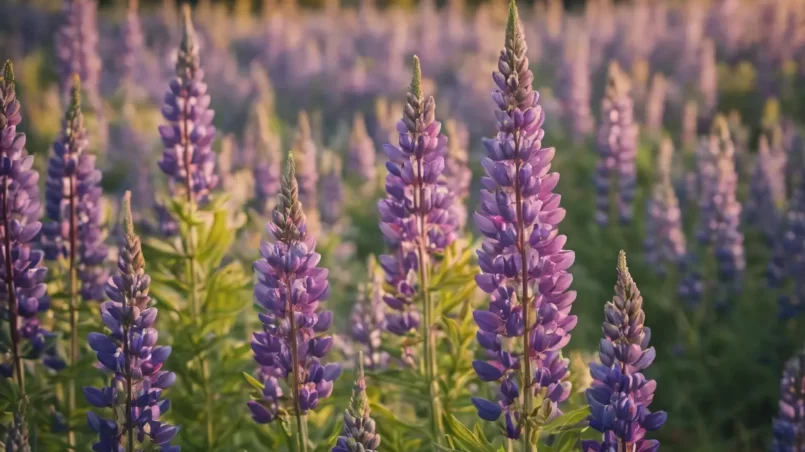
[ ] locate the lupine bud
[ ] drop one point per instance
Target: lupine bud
(522, 249)
(359, 429)
(22, 288)
(620, 394)
(361, 153)
(290, 289)
(457, 173)
(130, 355)
(789, 426)
(74, 204)
(188, 159)
(617, 146)
(665, 239)
(332, 186)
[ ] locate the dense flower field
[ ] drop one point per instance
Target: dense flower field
(266, 227)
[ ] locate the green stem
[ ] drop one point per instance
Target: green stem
(301, 422)
(71, 390)
(13, 308)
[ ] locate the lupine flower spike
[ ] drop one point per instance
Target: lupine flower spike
(17, 435)
(788, 259)
(457, 173)
(368, 318)
(617, 146)
(789, 425)
(307, 171)
(665, 239)
(290, 289)
(359, 429)
(620, 394)
(523, 265)
(22, 290)
(361, 153)
(131, 357)
(267, 165)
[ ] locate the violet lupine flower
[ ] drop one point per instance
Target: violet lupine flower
(788, 259)
(655, 104)
(720, 211)
(789, 426)
(133, 43)
(307, 171)
(368, 318)
(361, 153)
(359, 429)
(332, 186)
(575, 74)
(22, 288)
(291, 288)
(17, 434)
(130, 354)
(77, 48)
(523, 265)
(620, 394)
(665, 239)
(414, 216)
(266, 167)
(766, 191)
(188, 159)
(457, 173)
(708, 78)
(73, 204)
(617, 146)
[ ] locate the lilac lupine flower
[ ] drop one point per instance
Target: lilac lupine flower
(655, 104)
(457, 173)
(414, 216)
(131, 357)
(720, 211)
(766, 190)
(523, 265)
(73, 204)
(620, 395)
(789, 426)
(665, 239)
(76, 48)
(617, 146)
(188, 159)
(22, 290)
(133, 43)
(267, 165)
(575, 75)
(290, 289)
(788, 259)
(707, 84)
(359, 429)
(361, 153)
(368, 318)
(305, 152)
(332, 188)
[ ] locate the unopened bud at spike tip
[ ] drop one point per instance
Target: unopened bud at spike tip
(416, 79)
(127, 218)
(8, 72)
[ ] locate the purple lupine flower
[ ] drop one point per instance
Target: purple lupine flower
(617, 146)
(720, 211)
(665, 238)
(188, 159)
(655, 104)
(332, 188)
(305, 152)
(17, 434)
(73, 204)
(368, 318)
(789, 426)
(414, 215)
(359, 429)
(457, 173)
(267, 165)
(77, 48)
(788, 259)
(130, 355)
(291, 288)
(361, 153)
(575, 75)
(620, 395)
(133, 43)
(707, 83)
(766, 189)
(523, 265)
(22, 289)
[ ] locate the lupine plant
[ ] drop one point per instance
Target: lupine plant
(359, 429)
(789, 425)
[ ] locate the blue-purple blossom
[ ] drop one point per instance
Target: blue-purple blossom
(188, 159)
(767, 187)
(74, 204)
(620, 394)
(290, 289)
(523, 264)
(788, 258)
(133, 43)
(617, 148)
(575, 76)
(789, 426)
(457, 173)
(76, 48)
(361, 153)
(22, 290)
(332, 189)
(665, 244)
(368, 319)
(415, 214)
(128, 352)
(305, 152)
(359, 429)
(264, 146)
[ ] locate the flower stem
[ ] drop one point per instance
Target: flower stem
(126, 353)
(301, 422)
(71, 394)
(13, 310)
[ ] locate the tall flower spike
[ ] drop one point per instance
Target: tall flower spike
(77, 49)
(290, 289)
(665, 238)
(767, 187)
(132, 45)
(368, 318)
(332, 185)
(73, 204)
(788, 260)
(523, 264)
(267, 164)
(655, 104)
(361, 153)
(617, 148)
(575, 71)
(188, 159)
(129, 354)
(359, 429)
(307, 171)
(17, 436)
(620, 394)
(789, 426)
(22, 290)
(457, 173)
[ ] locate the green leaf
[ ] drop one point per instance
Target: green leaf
(253, 382)
(465, 437)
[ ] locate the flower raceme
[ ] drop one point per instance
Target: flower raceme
(359, 429)
(523, 265)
